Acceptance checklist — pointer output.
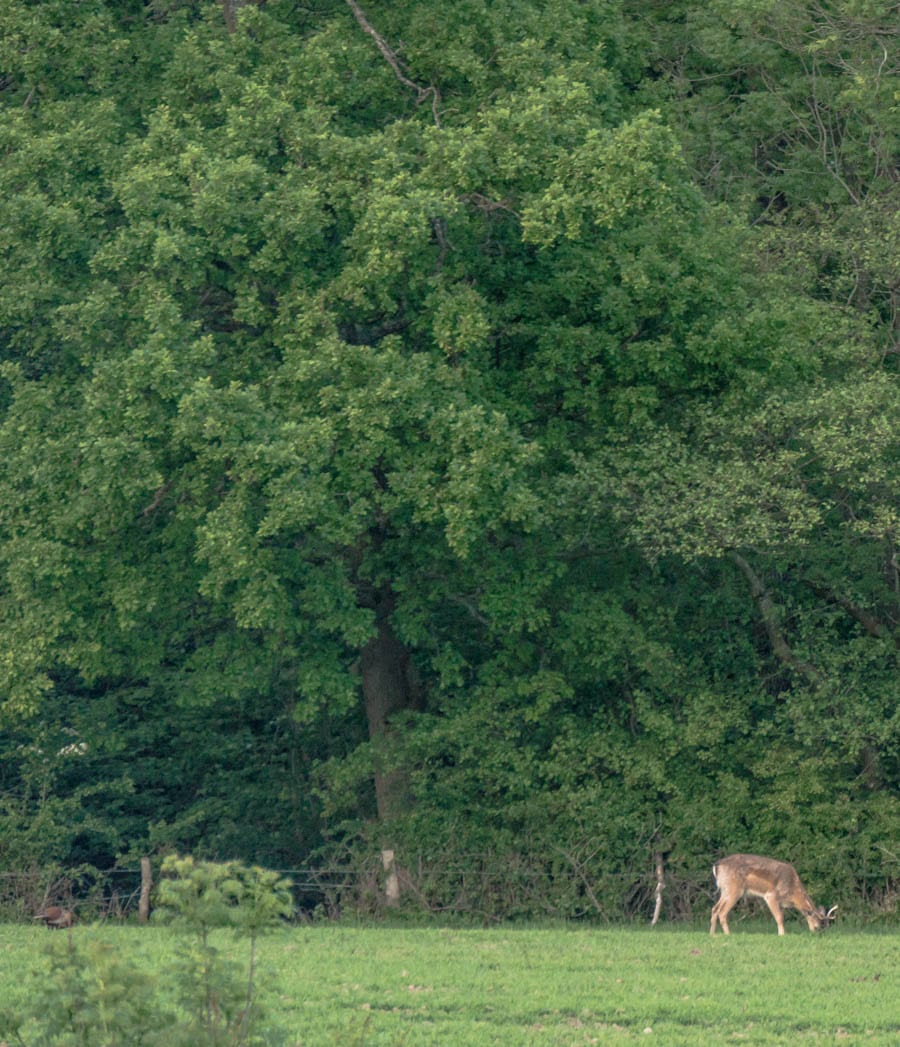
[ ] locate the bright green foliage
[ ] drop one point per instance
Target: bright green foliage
(198, 896)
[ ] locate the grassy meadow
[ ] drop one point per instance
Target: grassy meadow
(334, 984)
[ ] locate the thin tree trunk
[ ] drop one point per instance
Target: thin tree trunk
(660, 887)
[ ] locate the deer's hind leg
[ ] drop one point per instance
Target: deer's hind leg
(720, 912)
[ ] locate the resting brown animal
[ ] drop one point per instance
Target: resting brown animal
(56, 917)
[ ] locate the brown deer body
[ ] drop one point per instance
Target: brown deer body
(55, 917)
(777, 883)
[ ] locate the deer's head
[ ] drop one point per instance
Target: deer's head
(819, 918)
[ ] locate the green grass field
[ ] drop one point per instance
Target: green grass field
(333, 984)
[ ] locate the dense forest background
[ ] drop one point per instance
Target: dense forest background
(470, 428)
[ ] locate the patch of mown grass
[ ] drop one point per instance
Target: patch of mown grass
(586, 986)
(331, 984)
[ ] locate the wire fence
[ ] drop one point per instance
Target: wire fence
(487, 887)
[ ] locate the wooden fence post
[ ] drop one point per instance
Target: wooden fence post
(146, 884)
(392, 880)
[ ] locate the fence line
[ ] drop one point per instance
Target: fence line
(488, 886)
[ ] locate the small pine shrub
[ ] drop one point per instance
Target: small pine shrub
(216, 993)
(86, 994)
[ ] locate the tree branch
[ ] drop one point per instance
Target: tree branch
(780, 647)
(394, 62)
(872, 625)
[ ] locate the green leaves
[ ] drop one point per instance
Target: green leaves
(611, 178)
(301, 367)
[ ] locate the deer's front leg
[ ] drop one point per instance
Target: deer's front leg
(775, 910)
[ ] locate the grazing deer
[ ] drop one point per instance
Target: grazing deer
(56, 917)
(777, 883)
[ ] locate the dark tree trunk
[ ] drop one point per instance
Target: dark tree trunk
(389, 687)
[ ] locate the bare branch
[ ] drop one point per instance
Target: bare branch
(487, 205)
(394, 62)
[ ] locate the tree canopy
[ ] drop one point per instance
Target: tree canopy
(470, 426)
